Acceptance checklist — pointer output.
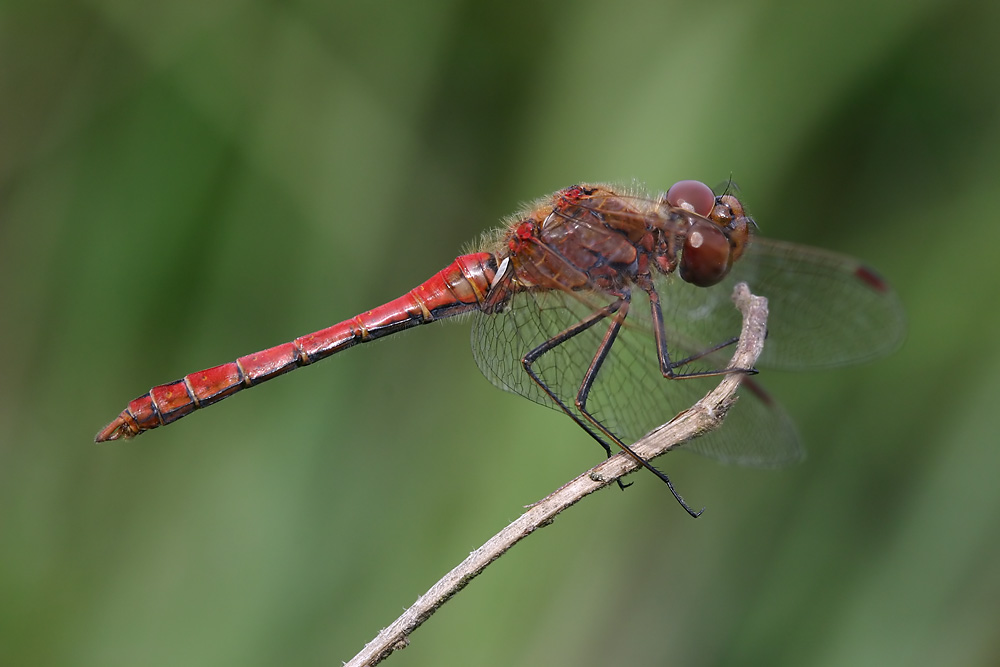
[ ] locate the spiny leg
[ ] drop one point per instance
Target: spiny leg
(705, 352)
(555, 341)
(581, 404)
(667, 367)
(621, 304)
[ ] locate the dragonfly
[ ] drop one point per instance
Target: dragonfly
(613, 307)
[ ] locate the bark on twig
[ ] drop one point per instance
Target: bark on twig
(704, 416)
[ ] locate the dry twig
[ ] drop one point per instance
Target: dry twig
(704, 416)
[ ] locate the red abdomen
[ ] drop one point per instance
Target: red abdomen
(458, 288)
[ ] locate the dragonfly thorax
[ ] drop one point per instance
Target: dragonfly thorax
(590, 236)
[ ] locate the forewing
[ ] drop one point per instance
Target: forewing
(825, 309)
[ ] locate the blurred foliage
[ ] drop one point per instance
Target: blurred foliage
(184, 183)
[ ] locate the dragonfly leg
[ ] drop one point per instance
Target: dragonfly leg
(581, 405)
(554, 342)
(668, 367)
(617, 311)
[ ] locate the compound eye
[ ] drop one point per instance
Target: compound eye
(706, 258)
(692, 196)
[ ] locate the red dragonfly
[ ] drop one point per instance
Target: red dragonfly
(613, 307)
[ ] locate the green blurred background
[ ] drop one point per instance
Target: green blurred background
(183, 183)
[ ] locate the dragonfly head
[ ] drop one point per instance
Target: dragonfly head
(717, 234)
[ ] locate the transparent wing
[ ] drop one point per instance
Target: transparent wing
(629, 395)
(825, 309)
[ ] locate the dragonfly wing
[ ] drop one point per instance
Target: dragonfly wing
(501, 340)
(629, 395)
(757, 432)
(825, 309)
